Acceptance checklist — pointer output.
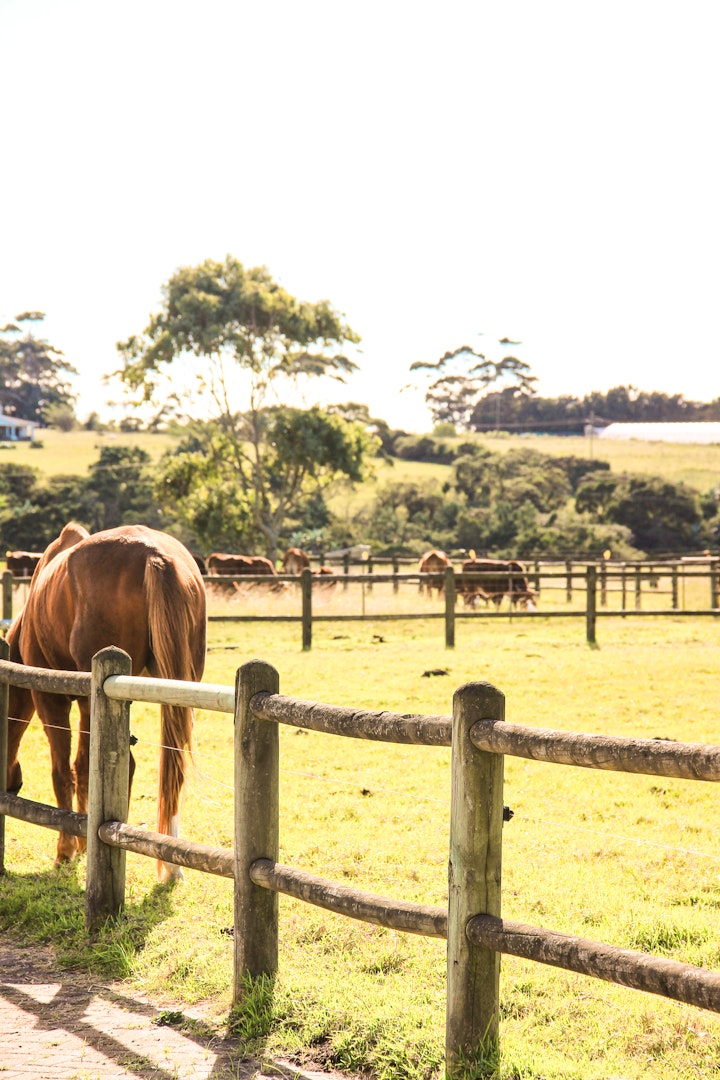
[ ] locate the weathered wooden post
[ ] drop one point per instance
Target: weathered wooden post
(306, 579)
(4, 695)
(474, 880)
(568, 581)
(108, 789)
(346, 569)
(536, 578)
(713, 585)
(674, 587)
(256, 827)
(638, 587)
(449, 589)
(623, 601)
(395, 568)
(590, 603)
(603, 584)
(7, 595)
(369, 572)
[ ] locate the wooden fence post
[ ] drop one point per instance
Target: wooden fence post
(603, 584)
(674, 587)
(395, 568)
(590, 603)
(346, 569)
(256, 827)
(7, 594)
(474, 879)
(306, 579)
(623, 601)
(369, 570)
(108, 789)
(4, 695)
(638, 588)
(449, 588)
(569, 581)
(713, 585)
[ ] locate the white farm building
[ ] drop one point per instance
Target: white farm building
(678, 432)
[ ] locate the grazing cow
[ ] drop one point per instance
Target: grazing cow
(23, 563)
(295, 561)
(200, 563)
(321, 572)
(504, 578)
(433, 562)
(239, 565)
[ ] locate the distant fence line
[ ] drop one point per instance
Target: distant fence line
(476, 933)
(597, 580)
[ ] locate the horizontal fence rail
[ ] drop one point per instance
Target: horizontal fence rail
(392, 914)
(656, 757)
(354, 723)
(626, 967)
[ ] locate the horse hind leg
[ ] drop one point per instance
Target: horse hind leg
(20, 711)
(54, 711)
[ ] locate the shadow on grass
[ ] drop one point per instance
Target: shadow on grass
(49, 908)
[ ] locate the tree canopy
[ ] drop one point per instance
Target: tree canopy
(33, 373)
(465, 376)
(249, 343)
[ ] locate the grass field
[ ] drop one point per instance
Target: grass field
(73, 452)
(629, 860)
(698, 466)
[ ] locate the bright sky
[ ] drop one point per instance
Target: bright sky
(546, 171)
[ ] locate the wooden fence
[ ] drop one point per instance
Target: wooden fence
(596, 581)
(476, 933)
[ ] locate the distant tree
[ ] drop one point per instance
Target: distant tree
(662, 516)
(239, 329)
(121, 487)
(304, 452)
(465, 376)
(33, 373)
(60, 416)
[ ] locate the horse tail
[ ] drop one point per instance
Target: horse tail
(176, 625)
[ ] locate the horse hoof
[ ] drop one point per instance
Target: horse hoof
(169, 873)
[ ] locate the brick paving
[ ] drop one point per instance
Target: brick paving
(60, 1025)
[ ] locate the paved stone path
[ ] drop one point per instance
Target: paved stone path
(60, 1025)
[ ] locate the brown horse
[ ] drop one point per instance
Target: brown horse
(131, 587)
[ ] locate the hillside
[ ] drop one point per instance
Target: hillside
(73, 452)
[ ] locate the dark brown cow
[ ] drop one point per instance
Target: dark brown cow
(239, 565)
(433, 562)
(321, 572)
(200, 562)
(504, 578)
(23, 563)
(295, 561)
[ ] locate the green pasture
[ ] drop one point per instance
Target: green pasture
(629, 860)
(692, 464)
(74, 451)
(695, 465)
